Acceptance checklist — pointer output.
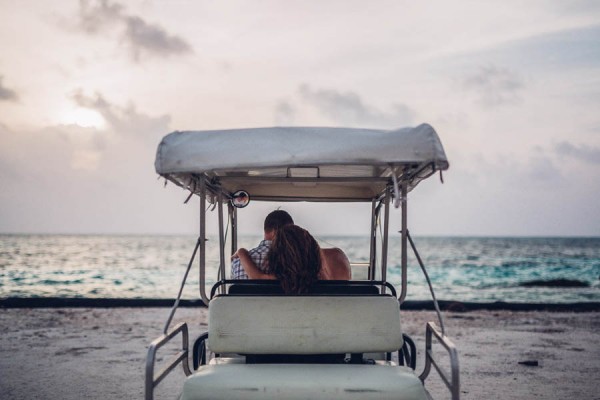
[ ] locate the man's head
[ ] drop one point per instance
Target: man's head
(275, 220)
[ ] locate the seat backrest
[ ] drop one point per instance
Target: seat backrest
(304, 324)
(321, 288)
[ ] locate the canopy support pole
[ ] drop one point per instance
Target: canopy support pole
(404, 259)
(187, 271)
(435, 302)
(384, 243)
(233, 221)
(373, 253)
(202, 257)
(221, 239)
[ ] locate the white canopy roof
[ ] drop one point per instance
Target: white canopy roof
(301, 163)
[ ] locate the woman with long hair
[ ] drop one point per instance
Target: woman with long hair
(294, 259)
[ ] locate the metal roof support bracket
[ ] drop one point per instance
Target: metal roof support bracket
(397, 197)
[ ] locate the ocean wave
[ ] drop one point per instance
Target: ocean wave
(519, 264)
(64, 282)
(564, 283)
(462, 269)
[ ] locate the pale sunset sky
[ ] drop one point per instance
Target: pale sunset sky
(88, 88)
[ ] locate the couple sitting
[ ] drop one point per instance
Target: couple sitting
(291, 255)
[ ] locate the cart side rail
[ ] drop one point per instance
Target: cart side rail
(451, 380)
(152, 380)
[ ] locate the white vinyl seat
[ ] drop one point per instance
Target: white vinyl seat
(303, 381)
(303, 326)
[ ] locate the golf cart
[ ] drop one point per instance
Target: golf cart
(343, 339)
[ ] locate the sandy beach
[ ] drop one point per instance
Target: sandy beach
(99, 353)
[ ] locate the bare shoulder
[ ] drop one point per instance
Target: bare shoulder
(334, 252)
(336, 263)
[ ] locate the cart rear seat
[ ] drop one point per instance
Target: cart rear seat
(303, 381)
(303, 325)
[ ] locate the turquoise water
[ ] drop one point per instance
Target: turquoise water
(462, 269)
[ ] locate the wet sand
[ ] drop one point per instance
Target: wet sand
(99, 353)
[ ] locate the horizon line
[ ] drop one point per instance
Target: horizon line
(352, 235)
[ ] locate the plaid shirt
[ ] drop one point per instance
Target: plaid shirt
(257, 254)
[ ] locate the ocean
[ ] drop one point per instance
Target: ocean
(473, 269)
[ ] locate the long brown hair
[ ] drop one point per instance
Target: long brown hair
(295, 259)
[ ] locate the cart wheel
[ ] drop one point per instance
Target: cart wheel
(199, 351)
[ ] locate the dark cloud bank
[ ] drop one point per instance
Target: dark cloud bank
(140, 36)
(6, 93)
(583, 153)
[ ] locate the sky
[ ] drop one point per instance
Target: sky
(88, 88)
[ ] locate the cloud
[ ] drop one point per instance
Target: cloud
(574, 7)
(8, 169)
(83, 148)
(534, 169)
(96, 102)
(127, 143)
(86, 160)
(541, 169)
(92, 180)
(582, 152)
(561, 49)
(349, 108)
(284, 113)
(495, 86)
(96, 16)
(140, 36)
(6, 93)
(124, 121)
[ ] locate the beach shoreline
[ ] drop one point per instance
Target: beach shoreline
(68, 353)
(409, 305)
